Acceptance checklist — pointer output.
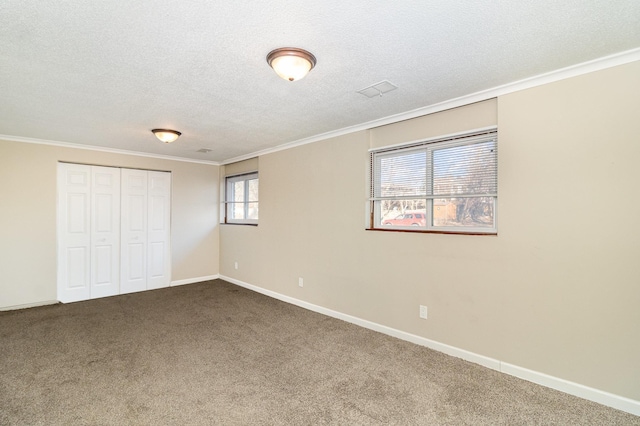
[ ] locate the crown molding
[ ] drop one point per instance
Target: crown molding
(12, 138)
(605, 62)
(610, 61)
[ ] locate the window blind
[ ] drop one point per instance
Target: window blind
(446, 184)
(464, 166)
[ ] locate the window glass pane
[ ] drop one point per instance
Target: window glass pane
(402, 174)
(237, 211)
(402, 212)
(466, 169)
(237, 207)
(238, 191)
(253, 190)
(252, 211)
(476, 212)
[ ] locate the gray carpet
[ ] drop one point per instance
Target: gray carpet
(215, 353)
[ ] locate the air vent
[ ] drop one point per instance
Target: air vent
(378, 89)
(204, 150)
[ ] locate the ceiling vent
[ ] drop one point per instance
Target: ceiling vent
(204, 150)
(378, 89)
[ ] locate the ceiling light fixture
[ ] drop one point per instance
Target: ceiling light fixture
(166, 135)
(291, 63)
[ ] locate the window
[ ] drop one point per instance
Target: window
(241, 199)
(448, 185)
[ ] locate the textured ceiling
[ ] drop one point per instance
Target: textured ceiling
(106, 72)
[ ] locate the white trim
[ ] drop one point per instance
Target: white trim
(601, 397)
(610, 61)
(598, 64)
(29, 305)
(12, 138)
(194, 280)
(440, 347)
(53, 302)
(527, 83)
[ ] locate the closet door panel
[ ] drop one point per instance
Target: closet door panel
(77, 272)
(103, 276)
(134, 231)
(74, 232)
(159, 221)
(156, 260)
(105, 236)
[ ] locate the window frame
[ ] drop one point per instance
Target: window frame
(429, 146)
(229, 198)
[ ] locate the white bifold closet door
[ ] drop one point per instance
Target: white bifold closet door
(146, 203)
(88, 232)
(113, 231)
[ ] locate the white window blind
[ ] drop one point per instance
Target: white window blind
(445, 184)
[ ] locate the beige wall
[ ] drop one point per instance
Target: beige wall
(473, 116)
(28, 216)
(557, 294)
(239, 167)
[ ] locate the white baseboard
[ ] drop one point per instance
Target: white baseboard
(194, 280)
(601, 397)
(28, 305)
(53, 302)
(605, 398)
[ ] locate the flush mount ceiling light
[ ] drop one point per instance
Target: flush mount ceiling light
(291, 63)
(166, 135)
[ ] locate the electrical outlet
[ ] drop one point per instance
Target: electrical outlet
(300, 282)
(235, 265)
(423, 312)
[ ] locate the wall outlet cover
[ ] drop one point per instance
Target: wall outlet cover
(423, 312)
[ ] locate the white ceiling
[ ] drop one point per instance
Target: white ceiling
(105, 73)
